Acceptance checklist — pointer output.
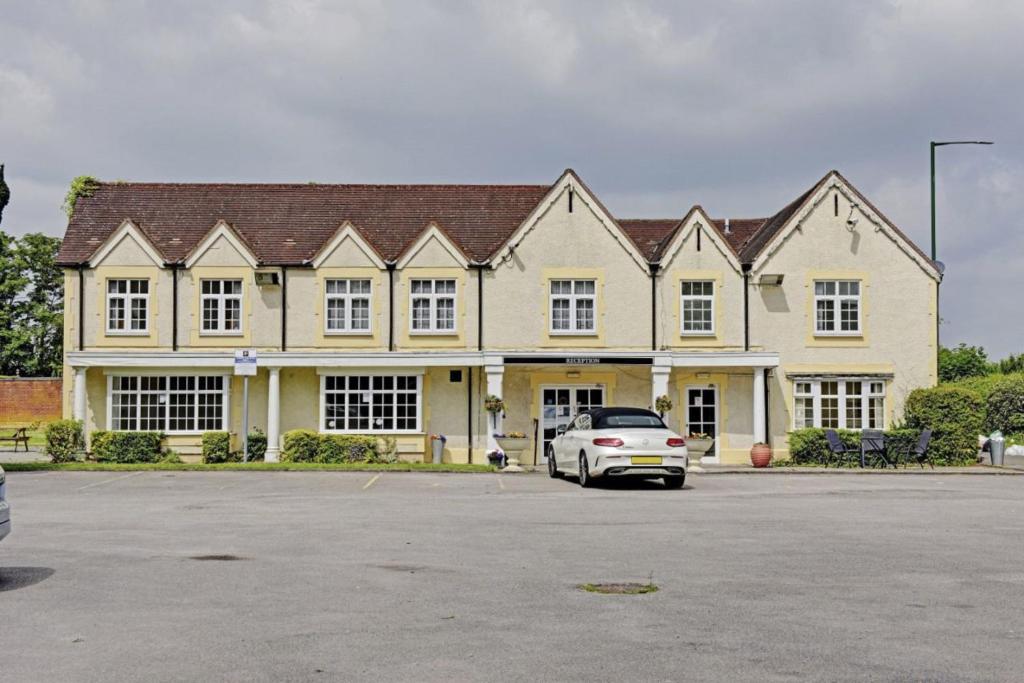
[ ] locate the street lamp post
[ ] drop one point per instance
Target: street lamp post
(932, 146)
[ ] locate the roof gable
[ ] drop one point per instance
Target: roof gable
(433, 232)
(222, 230)
(126, 231)
(347, 231)
(697, 219)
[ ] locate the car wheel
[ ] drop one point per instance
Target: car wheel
(675, 482)
(552, 465)
(586, 481)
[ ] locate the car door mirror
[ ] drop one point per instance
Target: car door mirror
(560, 429)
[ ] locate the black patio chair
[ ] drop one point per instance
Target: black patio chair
(872, 445)
(836, 448)
(919, 453)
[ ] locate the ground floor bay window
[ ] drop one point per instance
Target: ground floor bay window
(175, 404)
(839, 404)
(371, 404)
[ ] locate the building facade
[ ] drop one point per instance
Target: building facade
(396, 309)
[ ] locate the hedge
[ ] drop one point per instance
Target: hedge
(1004, 408)
(257, 446)
(810, 447)
(216, 447)
(303, 445)
(956, 417)
(64, 439)
(127, 446)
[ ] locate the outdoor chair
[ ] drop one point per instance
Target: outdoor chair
(20, 436)
(919, 452)
(835, 447)
(872, 444)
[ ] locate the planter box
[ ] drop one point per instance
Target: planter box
(514, 445)
(699, 447)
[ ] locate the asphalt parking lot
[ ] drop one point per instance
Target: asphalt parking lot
(328, 576)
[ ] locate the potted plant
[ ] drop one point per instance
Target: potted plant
(698, 444)
(663, 404)
(494, 405)
(496, 457)
(761, 455)
(512, 444)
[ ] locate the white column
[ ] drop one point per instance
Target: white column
(495, 380)
(274, 415)
(78, 402)
(759, 408)
(659, 385)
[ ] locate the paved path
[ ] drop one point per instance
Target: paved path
(353, 576)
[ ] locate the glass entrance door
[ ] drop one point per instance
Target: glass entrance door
(702, 415)
(559, 405)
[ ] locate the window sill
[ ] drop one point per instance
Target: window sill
(112, 333)
(348, 333)
(366, 432)
(838, 335)
(433, 333)
(209, 333)
(702, 335)
(579, 333)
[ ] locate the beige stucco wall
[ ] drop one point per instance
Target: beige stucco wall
(897, 299)
(567, 245)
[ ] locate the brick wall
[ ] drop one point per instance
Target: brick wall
(27, 400)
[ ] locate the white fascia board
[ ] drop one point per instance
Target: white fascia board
(127, 229)
(348, 231)
(221, 229)
(151, 359)
(696, 218)
(433, 232)
(725, 359)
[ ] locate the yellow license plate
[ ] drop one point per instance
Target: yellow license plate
(646, 459)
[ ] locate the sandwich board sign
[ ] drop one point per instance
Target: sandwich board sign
(245, 362)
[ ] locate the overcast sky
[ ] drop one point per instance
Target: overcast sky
(737, 106)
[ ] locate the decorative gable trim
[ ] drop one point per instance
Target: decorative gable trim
(347, 231)
(433, 231)
(127, 229)
(835, 181)
(695, 219)
(570, 182)
(221, 229)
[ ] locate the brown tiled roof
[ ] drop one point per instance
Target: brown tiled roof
(650, 235)
(288, 224)
(740, 230)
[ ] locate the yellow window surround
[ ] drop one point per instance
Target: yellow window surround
(403, 302)
(698, 339)
(230, 339)
(816, 339)
(127, 338)
(572, 339)
(349, 339)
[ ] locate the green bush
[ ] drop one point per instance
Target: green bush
(216, 447)
(810, 447)
(1005, 407)
(956, 417)
(64, 439)
(300, 445)
(347, 448)
(963, 361)
(257, 445)
(127, 446)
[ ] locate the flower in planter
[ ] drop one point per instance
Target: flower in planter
(439, 437)
(663, 404)
(697, 435)
(493, 404)
(514, 435)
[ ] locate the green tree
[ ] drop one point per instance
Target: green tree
(31, 306)
(1012, 364)
(963, 361)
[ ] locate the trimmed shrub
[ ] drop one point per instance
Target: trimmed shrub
(216, 447)
(347, 448)
(127, 446)
(63, 439)
(300, 445)
(956, 417)
(1005, 407)
(257, 445)
(810, 447)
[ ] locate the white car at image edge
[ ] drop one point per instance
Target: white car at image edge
(617, 442)
(5, 509)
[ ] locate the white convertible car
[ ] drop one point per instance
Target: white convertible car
(614, 442)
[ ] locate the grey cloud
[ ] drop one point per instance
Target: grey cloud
(736, 105)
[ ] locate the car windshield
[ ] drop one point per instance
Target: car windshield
(630, 421)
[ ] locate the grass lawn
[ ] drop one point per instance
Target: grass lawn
(252, 466)
(36, 437)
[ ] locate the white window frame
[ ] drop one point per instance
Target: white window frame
(221, 299)
(837, 300)
(128, 298)
(573, 298)
(433, 297)
(225, 392)
(418, 375)
(348, 297)
(694, 298)
(872, 389)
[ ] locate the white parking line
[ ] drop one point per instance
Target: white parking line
(501, 484)
(372, 481)
(107, 481)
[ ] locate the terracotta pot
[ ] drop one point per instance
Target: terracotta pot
(761, 455)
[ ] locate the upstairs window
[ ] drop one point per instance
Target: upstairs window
(432, 306)
(839, 404)
(837, 307)
(221, 306)
(348, 306)
(127, 306)
(697, 307)
(572, 307)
